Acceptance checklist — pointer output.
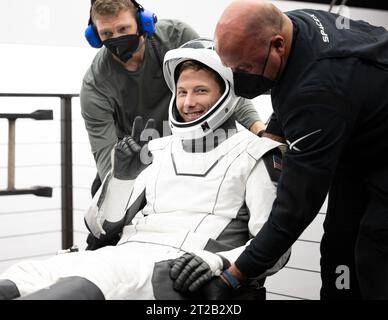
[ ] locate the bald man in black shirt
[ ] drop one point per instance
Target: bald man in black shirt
(329, 94)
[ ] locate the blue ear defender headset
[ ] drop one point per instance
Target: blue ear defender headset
(146, 21)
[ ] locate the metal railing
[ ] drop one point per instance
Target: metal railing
(12, 117)
(66, 160)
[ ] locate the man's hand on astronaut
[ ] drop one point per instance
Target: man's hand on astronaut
(131, 154)
(192, 270)
(217, 289)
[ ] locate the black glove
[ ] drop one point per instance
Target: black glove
(217, 289)
(131, 154)
(190, 271)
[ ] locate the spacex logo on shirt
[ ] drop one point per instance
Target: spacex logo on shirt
(293, 145)
(325, 37)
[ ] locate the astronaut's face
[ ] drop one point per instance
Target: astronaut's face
(197, 92)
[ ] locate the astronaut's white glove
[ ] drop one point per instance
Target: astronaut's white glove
(192, 270)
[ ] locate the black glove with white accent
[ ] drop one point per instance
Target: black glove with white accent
(191, 271)
(131, 154)
(217, 289)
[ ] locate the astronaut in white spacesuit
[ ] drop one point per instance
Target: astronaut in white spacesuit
(186, 217)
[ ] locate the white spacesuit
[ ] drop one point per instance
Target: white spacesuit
(195, 197)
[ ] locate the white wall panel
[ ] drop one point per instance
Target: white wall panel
(17, 224)
(49, 175)
(80, 240)
(305, 255)
(79, 224)
(295, 283)
(37, 154)
(19, 247)
(81, 198)
(82, 156)
(31, 131)
(80, 133)
(314, 231)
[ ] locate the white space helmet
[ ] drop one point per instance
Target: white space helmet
(201, 50)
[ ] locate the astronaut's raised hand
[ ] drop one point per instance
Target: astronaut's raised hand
(108, 212)
(191, 271)
(131, 155)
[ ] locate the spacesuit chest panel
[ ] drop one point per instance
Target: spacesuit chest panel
(211, 183)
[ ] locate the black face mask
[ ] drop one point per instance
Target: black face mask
(123, 47)
(249, 85)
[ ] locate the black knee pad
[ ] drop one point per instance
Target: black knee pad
(8, 290)
(70, 288)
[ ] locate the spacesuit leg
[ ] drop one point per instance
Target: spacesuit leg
(70, 288)
(31, 276)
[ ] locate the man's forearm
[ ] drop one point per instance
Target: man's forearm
(103, 161)
(273, 137)
(257, 126)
